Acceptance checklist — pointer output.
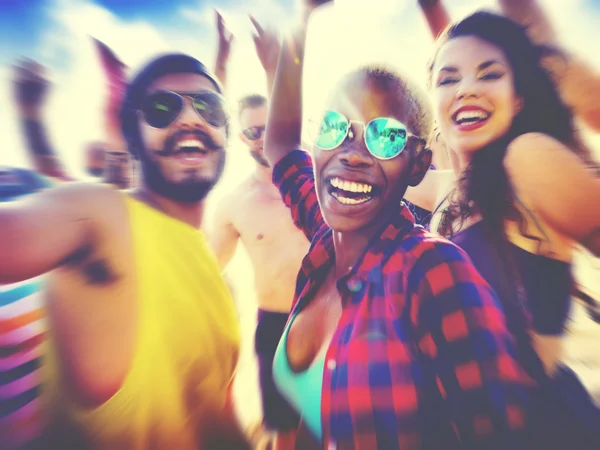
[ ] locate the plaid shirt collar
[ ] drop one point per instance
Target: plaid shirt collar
(321, 258)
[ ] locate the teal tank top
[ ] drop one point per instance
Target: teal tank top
(302, 390)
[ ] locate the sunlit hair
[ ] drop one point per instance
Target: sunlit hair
(484, 187)
(251, 101)
(411, 98)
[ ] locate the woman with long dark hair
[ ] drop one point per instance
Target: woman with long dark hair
(525, 196)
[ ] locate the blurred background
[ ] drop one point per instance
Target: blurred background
(57, 34)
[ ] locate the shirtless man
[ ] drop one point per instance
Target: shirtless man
(255, 214)
(143, 339)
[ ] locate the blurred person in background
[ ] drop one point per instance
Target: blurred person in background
(254, 214)
(108, 161)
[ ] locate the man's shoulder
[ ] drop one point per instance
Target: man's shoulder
(88, 195)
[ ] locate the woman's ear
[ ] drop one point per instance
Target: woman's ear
(519, 105)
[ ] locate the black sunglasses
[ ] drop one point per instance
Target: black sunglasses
(161, 108)
(253, 133)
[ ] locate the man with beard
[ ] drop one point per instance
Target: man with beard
(143, 339)
(255, 214)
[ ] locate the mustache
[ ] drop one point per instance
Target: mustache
(205, 138)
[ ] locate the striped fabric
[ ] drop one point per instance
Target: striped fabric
(22, 329)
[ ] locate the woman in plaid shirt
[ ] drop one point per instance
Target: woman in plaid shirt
(394, 340)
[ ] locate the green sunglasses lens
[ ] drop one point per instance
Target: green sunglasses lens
(332, 132)
(385, 138)
(212, 108)
(162, 108)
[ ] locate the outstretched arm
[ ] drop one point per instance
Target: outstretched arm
(577, 81)
(562, 190)
(436, 15)
(40, 233)
(115, 160)
(30, 89)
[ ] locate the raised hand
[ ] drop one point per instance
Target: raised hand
(267, 46)
(225, 38)
(30, 86)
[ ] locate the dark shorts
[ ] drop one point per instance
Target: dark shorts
(278, 414)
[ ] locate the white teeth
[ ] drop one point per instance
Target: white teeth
(350, 201)
(350, 186)
(189, 143)
(472, 115)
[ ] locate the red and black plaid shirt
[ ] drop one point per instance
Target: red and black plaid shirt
(421, 357)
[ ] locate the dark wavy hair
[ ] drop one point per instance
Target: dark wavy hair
(484, 188)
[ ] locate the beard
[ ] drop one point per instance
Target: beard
(191, 190)
(259, 158)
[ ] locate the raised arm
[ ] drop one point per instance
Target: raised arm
(578, 82)
(436, 15)
(39, 233)
(268, 49)
(115, 158)
(468, 351)
(292, 167)
(225, 38)
(30, 89)
(284, 126)
(562, 190)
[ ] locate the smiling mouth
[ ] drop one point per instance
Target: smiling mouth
(351, 192)
(190, 151)
(470, 117)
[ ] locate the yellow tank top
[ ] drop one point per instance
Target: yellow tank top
(187, 344)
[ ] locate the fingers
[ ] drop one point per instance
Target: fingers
(219, 20)
(224, 34)
(259, 29)
(27, 70)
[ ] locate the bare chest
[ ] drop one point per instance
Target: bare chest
(265, 222)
